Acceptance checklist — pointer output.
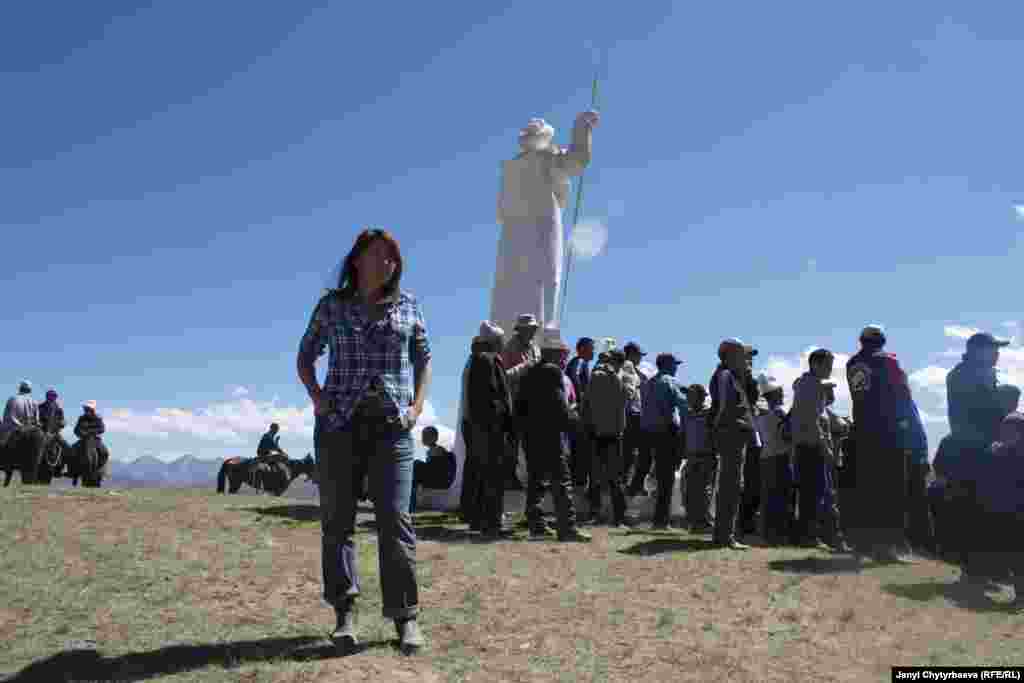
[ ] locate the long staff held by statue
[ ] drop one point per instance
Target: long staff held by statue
(575, 221)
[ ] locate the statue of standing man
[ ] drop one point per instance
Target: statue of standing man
(535, 188)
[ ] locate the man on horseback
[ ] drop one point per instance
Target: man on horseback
(90, 426)
(20, 413)
(51, 418)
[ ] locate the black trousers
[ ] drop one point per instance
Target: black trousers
(751, 490)
(732, 455)
(665, 448)
(644, 458)
(489, 453)
(469, 508)
(607, 471)
(547, 458)
(811, 466)
(920, 531)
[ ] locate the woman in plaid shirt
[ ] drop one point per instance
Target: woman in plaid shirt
(377, 379)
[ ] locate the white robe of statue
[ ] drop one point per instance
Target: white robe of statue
(535, 188)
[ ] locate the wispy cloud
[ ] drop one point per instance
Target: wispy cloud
(239, 391)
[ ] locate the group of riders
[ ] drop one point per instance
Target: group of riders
(23, 417)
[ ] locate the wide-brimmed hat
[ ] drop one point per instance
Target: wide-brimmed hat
(527, 320)
(89, 404)
(981, 340)
(666, 359)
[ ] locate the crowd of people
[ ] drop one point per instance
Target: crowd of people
(22, 412)
(805, 476)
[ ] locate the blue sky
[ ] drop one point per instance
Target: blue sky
(179, 179)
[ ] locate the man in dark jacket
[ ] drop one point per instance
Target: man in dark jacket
(886, 426)
(734, 431)
(975, 411)
(542, 413)
(90, 426)
(51, 418)
(490, 417)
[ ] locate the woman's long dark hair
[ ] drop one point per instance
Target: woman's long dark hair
(348, 279)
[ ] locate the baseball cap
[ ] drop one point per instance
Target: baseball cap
(872, 332)
(981, 340)
(667, 358)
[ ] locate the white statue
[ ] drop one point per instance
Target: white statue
(535, 189)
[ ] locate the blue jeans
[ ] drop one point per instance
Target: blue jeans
(385, 451)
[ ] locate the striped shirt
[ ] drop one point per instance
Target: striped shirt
(374, 346)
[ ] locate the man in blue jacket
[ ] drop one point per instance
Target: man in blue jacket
(887, 430)
(665, 409)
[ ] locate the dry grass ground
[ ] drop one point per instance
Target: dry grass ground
(186, 585)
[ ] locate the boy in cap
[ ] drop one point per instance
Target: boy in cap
(777, 518)
(543, 412)
(733, 431)
(701, 462)
(664, 415)
(812, 444)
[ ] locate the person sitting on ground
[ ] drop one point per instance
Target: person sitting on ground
(437, 472)
(604, 413)
(20, 412)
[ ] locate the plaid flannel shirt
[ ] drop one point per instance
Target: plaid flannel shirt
(362, 350)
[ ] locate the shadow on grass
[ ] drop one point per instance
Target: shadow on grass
(969, 597)
(306, 512)
(844, 564)
(90, 665)
(668, 545)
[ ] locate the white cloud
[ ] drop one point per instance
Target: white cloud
(234, 423)
(812, 264)
(959, 331)
(239, 391)
(1018, 209)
